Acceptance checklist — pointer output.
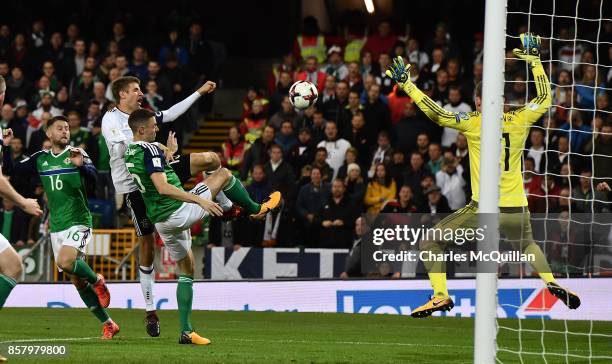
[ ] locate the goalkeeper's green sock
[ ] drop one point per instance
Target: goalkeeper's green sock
(90, 299)
(540, 265)
(6, 286)
(236, 192)
(82, 270)
(184, 297)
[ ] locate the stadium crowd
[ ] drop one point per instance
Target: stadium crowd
(363, 148)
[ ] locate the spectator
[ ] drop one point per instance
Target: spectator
(366, 68)
(436, 202)
(336, 147)
(579, 133)
(437, 60)
(410, 126)
(138, 66)
(329, 91)
(233, 150)
(585, 88)
(442, 87)
(310, 200)
(249, 231)
(46, 105)
(311, 43)
(415, 172)
(415, 55)
(397, 103)
(78, 134)
(253, 125)
(403, 204)
(435, 158)
(317, 128)
(303, 152)
(376, 112)
(457, 106)
(153, 98)
(586, 200)
(9, 121)
(353, 107)
(382, 153)
(281, 92)
(174, 46)
(354, 78)
(17, 86)
(352, 266)
(382, 41)
(286, 138)
(559, 156)
(154, 73)
(451, 182)
(532, 183)
(280, 174)
(380, 190)
(320, 162)
(285, 113)
(454, 73)
(81, 90)
(333, 108)
(350, 157)
(386, 84)
(423, 145)
(537, 149)
(358, 137)
(75, 63)
(336, 217)
(258, 152)
(355, 185)
(601, 148)
(398, 167)
(312, 73)
(335, 65)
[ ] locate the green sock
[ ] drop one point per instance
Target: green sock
(6, 286)
(236, 192)
(184, 297)
(82, 270)
(90, 299)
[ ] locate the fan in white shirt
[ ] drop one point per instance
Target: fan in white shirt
(456, 106)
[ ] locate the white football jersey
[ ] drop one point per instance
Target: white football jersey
(118, 135)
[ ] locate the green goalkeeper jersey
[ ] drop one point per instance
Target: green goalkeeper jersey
(64, 185)
(143, 159)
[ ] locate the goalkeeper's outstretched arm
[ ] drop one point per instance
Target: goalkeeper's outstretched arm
(400, 73)
(530, 52)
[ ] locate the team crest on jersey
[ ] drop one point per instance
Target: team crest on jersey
(461, 116)
(67, 160)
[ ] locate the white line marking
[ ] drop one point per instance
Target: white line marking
(346, 343)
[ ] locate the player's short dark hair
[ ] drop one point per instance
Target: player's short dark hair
(139, 117)
(55, 119)
(121, 84)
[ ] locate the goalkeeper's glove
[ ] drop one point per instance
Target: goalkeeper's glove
(530, 50)
(400, 73)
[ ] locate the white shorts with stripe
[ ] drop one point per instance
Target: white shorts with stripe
(4, 244)
(76, 236)
(175, 232)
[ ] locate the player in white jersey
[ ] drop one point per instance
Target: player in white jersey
(10, 262)
(118, 135)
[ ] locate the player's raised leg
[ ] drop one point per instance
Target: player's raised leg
(517, 229)
(10, 269)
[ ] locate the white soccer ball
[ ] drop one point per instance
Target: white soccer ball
(303, 94)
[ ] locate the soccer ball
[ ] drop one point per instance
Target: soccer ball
(303, 94)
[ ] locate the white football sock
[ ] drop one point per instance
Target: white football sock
(147, 277)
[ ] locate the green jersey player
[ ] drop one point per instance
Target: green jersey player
(63, 171)
(174, 211)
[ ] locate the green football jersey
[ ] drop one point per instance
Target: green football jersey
(143, 159)
(64, 186)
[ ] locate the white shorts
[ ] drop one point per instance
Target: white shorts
(4, 244)
(76, 236)
(175, 232)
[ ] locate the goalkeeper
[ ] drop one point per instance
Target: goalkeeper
(514, 219)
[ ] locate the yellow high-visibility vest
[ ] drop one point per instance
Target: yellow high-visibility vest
(319, 50)
(352, 51)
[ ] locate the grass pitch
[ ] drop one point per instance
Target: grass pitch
(272, 337)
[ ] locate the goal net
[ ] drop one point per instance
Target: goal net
(568, 154)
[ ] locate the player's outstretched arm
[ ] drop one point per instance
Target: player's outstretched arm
(400, 73)
(530, 52)
(28, 205)
(181, 107)
(166, 189)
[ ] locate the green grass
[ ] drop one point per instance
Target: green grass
(270, 337)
